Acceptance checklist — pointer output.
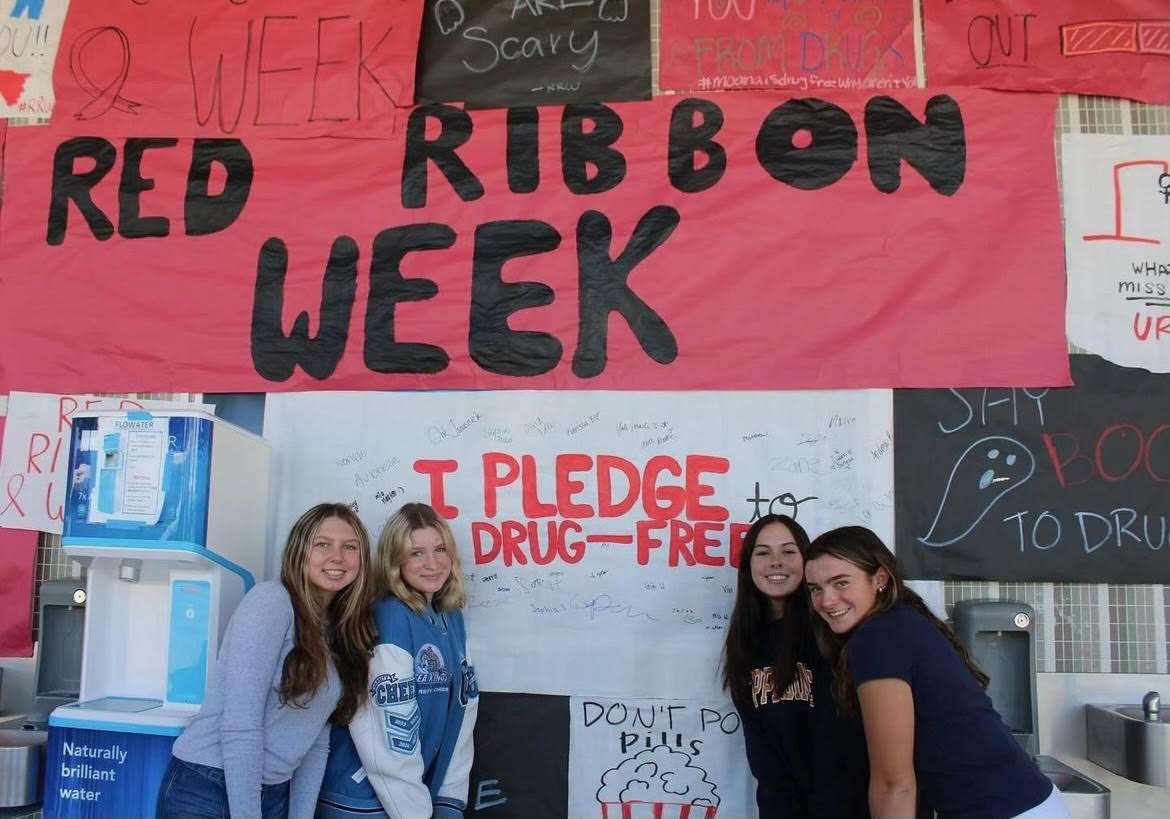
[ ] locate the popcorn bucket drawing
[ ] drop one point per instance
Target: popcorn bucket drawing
(649, 784)
(656, 810)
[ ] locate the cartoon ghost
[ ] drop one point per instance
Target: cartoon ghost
(985, 472)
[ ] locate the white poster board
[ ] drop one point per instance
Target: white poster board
(596, 529)
(667, 759)
(35, 456)
(30, 32)
(1117, 237)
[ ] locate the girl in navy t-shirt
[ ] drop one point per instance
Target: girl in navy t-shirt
(929, 726)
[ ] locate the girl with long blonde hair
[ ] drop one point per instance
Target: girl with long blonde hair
(408, 750)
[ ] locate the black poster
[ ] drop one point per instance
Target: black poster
(521, 766)
(504, 53)
(1068, 484)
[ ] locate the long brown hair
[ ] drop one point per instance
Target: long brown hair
(347, 618)
(862, 548)
(749, 620)
(394, 547)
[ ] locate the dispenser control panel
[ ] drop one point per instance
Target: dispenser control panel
(189, 638)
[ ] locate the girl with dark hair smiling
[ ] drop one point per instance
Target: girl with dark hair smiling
(806, 762)
(929, 725)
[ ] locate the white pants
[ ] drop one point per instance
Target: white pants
(1051, 808)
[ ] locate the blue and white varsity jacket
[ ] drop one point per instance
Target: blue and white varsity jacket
(408, 750)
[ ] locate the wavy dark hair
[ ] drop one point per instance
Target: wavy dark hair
(862, 548)
(750, 617)
(344, 629)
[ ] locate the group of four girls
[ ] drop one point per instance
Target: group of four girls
(345, 690)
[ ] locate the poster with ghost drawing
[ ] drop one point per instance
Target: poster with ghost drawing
(1031, 484)
(666, 759)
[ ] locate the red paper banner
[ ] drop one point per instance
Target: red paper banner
(710, 45)
(1116, 49)
(214, 67)
(18, 558)
(744, 241)
(3, 143)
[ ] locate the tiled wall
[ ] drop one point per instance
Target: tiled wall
(1133, 628)
(1087, 627)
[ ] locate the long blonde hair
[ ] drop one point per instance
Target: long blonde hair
(351, 633)
(394, 547)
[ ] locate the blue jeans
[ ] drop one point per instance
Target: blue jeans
(332, 810)
(190, 790)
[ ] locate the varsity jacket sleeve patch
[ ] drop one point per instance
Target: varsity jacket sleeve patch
(385, 733)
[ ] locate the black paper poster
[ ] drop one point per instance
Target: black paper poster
(503, 53)
(1068, 484)
(521, 766)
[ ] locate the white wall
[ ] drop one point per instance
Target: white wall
(1061, 700)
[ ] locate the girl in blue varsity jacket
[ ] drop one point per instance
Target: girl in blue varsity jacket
(407, 753)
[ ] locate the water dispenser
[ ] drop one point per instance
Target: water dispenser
(167, 512)
(62, 628)
(1000, 636)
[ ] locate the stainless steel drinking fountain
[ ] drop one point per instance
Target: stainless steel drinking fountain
(1000, 636)
(62, 629)
(1131, 740)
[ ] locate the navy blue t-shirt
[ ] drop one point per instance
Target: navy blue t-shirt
(966, 761)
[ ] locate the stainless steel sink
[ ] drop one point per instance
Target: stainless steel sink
(1122, 739)
(1136, 712)
(1084, 798)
